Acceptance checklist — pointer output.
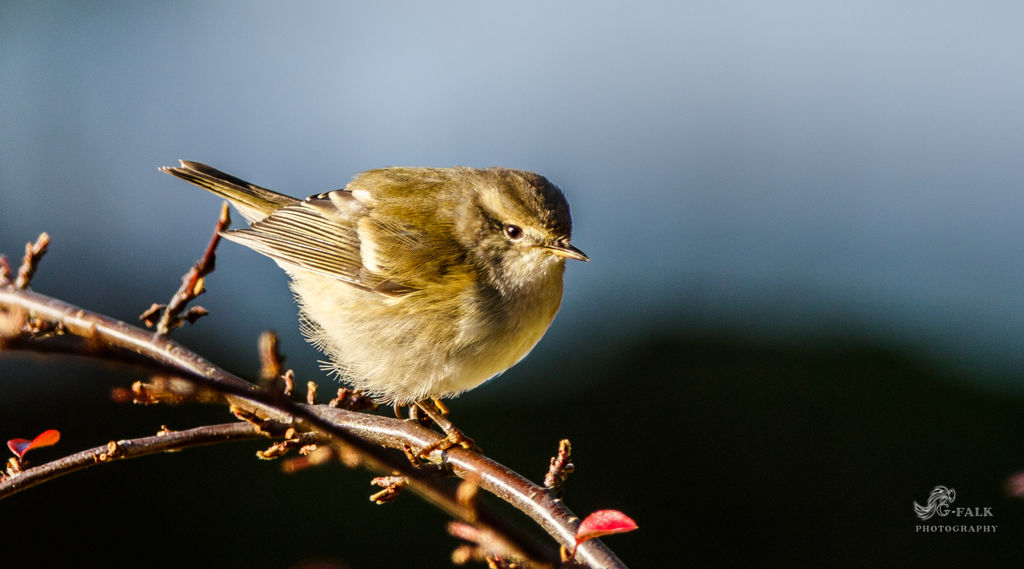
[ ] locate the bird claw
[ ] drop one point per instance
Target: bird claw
(453, 439)
(437, 412)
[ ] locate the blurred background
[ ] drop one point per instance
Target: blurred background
(804, 311)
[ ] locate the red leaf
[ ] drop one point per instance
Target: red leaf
(603, 522)
(46, 438)
(19, 446)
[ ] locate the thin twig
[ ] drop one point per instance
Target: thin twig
(191, 284)
(166, 441)
(33, 253)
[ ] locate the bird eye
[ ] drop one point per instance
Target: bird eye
(513, 231)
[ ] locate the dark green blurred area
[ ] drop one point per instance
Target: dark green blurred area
(727, 452)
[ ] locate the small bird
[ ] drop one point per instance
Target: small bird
(417, 283)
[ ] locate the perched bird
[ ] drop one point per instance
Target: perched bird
(418, 283)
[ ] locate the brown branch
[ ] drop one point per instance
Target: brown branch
(33, 253)
(192, 282)
(358, 432)
(165, 441)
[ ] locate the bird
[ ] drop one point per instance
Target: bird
(417, 283)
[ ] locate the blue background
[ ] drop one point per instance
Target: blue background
(816, 203)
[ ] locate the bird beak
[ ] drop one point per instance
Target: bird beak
(564, 249)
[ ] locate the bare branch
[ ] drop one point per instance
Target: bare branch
(191, 286)
(165, 441)
(33, 253)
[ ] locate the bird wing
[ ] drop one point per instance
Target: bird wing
(319, 234)
(392, 239)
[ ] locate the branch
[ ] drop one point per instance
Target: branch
(362, 433)
(191, 286)
(165, 441)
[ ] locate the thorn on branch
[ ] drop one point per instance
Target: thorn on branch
(392, 487)
(560, 467)
(173, 313)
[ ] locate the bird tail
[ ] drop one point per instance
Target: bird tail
(252, 201)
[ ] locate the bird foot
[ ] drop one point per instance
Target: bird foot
(453, 439)
(437, 412)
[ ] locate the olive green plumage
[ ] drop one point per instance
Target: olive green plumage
(416, 282)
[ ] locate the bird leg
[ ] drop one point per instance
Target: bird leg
(438, 412)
